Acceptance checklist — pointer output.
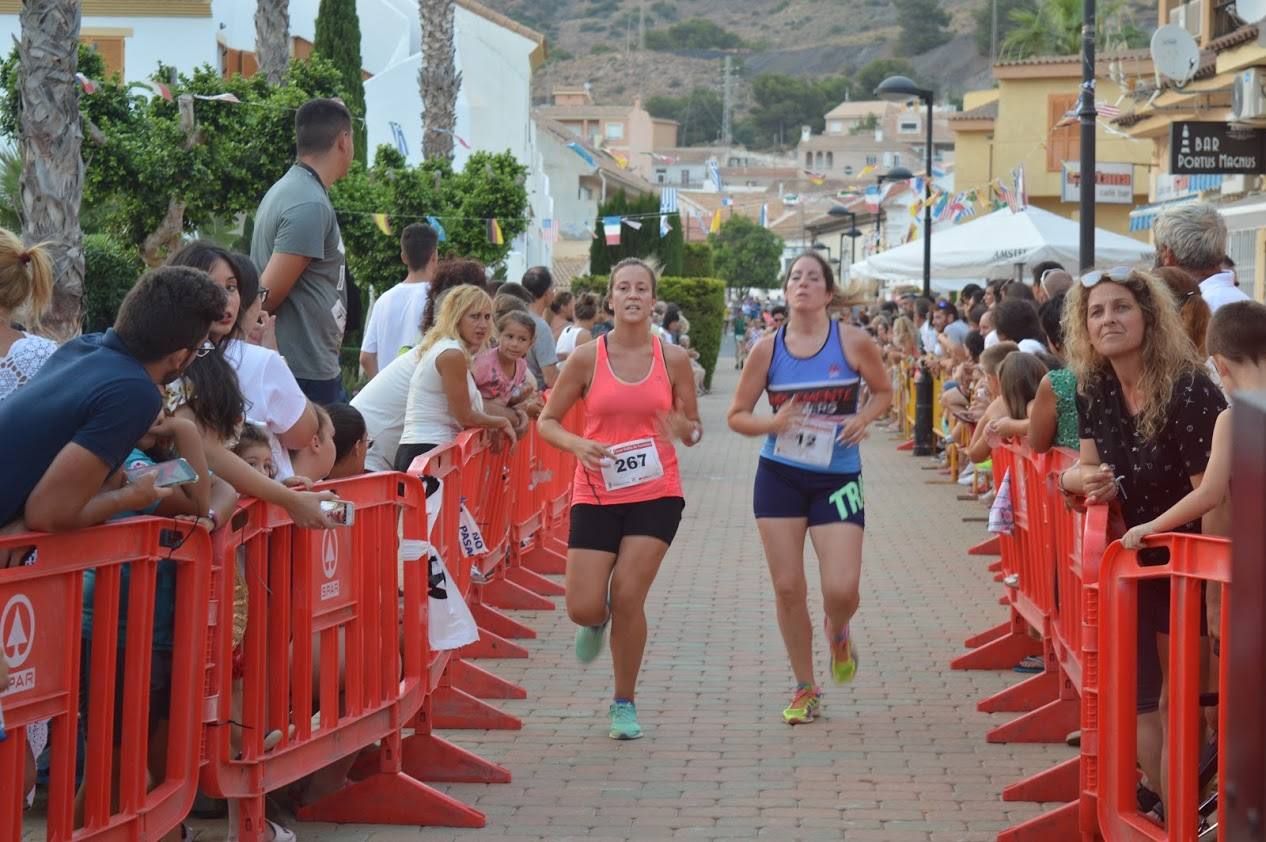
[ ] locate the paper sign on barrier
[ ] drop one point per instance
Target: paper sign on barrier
(468, 533)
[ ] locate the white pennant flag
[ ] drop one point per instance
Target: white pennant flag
(633, 223)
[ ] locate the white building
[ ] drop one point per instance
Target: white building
(495, 56)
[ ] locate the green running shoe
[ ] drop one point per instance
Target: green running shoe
(844, 669)
(624, 721)
(589, 642)
(804, 706)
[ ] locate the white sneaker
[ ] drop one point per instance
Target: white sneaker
(966, 477)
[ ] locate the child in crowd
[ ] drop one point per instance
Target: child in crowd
(316, 459)
(351, 440)
(501, 373)
(1236, 340)
(989, 392)
(254, 449)
(1019, 375)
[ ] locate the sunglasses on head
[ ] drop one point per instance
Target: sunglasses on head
(1119, 274)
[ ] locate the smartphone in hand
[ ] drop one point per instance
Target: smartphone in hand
(166, 474)
(339, 512)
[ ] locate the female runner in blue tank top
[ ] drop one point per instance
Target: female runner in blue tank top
(809, 478)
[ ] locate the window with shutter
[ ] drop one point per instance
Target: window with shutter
(109, 47)
(1064, 142)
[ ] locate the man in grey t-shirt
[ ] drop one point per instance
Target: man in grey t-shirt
(299, 249)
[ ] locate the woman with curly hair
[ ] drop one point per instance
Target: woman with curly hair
(1146, 410)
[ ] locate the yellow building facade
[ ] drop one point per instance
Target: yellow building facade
(1019, 122)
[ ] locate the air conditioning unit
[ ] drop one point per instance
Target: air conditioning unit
(1187, 15)
(1248, 101)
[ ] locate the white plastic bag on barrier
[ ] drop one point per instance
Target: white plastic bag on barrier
(1001, 515)
(450, 625)
(472, 540)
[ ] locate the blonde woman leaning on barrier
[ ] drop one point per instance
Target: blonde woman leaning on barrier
(809, 477)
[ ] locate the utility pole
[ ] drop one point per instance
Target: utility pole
(727, 107)
(993, 36)
(1087, 113)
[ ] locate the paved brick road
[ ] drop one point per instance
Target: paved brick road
(900, 754)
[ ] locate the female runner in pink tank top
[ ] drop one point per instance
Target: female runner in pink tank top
(639, 396)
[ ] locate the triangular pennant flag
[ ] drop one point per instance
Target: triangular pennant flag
(726, 201)
(633, 223)
(866, 170)
(380, 219)
(439, 229)
(549, 231)
(89, 86)
(715, 225)
(668, 200)
(764, 216)
(494, 233)
(158, 88)
(664, 227)
(225, 97)
(611, 228)
(583, 153)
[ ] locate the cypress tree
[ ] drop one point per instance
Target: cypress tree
(338, 41)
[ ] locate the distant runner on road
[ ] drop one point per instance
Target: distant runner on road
(809, 476)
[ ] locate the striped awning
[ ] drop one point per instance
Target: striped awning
(1142, 217)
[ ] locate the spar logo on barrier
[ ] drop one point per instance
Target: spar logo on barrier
(329, 564)
(17, 639)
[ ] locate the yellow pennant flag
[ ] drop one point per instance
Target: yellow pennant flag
(715, 225)
(380, 219)
(495, 237)
(866, 170)
(620, 159)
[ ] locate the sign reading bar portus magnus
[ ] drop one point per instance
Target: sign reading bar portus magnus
(1212, 148)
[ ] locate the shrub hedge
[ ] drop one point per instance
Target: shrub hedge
(702, 301)
(110, 270)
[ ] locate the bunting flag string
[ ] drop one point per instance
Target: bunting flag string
(495, 236)
(380, 219)
(89, 86)
(452, 134)
(549, 231)
(715, 225)
(439, 229)
(583, 153)
(632, 223)
(664, 227)
(611, 229)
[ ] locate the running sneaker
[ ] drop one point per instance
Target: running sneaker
(804, 706)
(842, 669)
(589, 642)
(624, 721)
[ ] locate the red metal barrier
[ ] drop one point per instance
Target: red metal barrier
(1194, 562)
(40, 617)
(328, 634)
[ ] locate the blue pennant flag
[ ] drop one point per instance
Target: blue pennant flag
(583, 153)
(439, 229)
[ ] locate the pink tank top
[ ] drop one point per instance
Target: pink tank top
(619, 415)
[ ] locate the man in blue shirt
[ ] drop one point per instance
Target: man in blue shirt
(67, 430)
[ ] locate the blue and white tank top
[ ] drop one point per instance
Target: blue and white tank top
(826, 385)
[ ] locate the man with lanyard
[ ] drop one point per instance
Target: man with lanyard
(299, 250)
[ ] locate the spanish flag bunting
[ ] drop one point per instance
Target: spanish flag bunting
(715, 225)
(380, 219)
(495, 236)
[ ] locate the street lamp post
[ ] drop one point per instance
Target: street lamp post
(902, 89)
(894, 174)
(839, 211)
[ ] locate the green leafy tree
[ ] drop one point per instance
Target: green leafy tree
(1053, 27)
(644, 242)
(983, 19)
(697, 260)
(338, 41)
(781, 104)
(488, 186)
(698, 112)
(157, 170)
(869, 77)
(747, 255)
(923, 25)
(693, 34)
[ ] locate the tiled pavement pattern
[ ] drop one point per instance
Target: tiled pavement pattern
(899, 755)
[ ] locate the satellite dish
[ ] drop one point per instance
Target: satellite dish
(1175, 54)
(1250, 11)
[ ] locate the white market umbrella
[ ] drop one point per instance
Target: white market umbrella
(992, 245)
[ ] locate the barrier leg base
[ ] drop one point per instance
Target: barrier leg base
(457, 709)
(482, 684)
(988, 635)
(1059, 783)
(491, 645)
(1059, 825)
(550, 558)
(1029, 694)
(502, 593)
(1051, 723)
(996, 567)
(990, 547)
(534, 582)
(999, 654)
(431, 758)
(489, 618)
(392, 798)
(906, 445)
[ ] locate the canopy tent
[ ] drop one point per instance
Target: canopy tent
(991, 246)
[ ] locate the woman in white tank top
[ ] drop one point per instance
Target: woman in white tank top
(585, 310)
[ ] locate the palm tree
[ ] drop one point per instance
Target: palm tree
(50, 140)
(1053, 28)
(438, 78)
(272, 38)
